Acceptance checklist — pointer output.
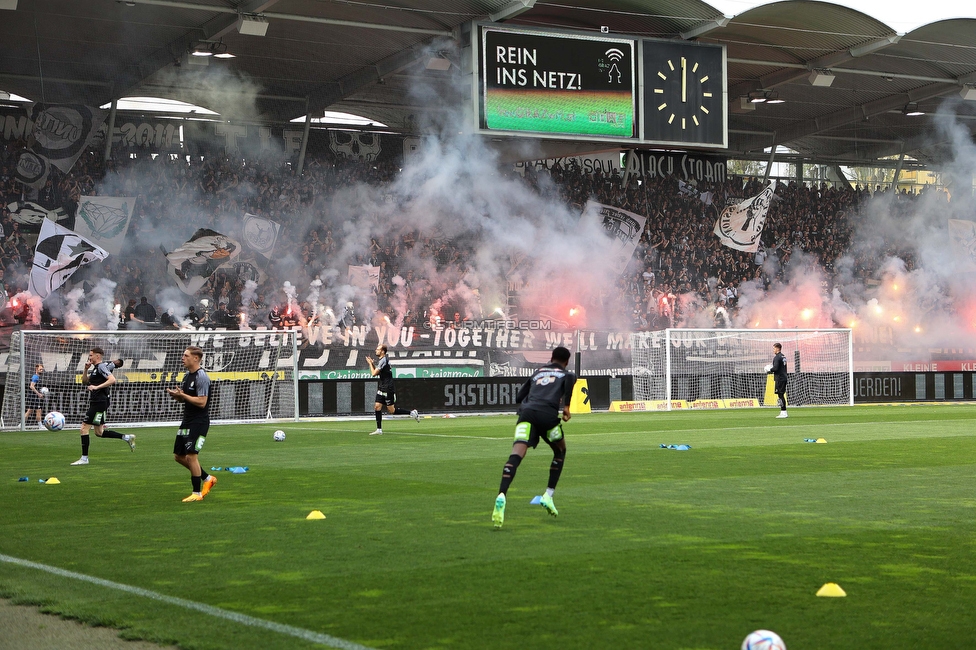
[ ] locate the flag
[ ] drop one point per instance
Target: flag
(690, 190)
(192, 264)
(364, 277)
(59, 253)
(31, 215)
(623, 227)
(105, 220)
(962, 235)
(740, 225)
(59, 135)
(260, 234)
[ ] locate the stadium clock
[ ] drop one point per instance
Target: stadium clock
(684, 93)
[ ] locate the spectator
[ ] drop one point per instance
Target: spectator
(144, 312)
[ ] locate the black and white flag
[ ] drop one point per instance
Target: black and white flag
(624, 228)
(192, 264)
(59, 135)
(740, 225)
(31, 215)
(690, 190)
(59, 253)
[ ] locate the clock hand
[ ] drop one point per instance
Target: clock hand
(684, 79)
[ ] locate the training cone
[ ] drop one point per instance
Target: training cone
(821, 441)
(831, 590)
(315, 514)
(52, 481)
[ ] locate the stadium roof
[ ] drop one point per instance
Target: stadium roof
(364, 57)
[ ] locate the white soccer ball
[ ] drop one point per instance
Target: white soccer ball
(763, 640)
(44, 390)
(53, 421)
(279, 435)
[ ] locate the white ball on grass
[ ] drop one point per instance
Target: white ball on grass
(279, 435)
(763, 640)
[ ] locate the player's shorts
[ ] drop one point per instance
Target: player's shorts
(780, 386)
(190, 440)
(386, 398)
(532, 426)
(33, 401)
(95, 414)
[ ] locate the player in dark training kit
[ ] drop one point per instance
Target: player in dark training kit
(385, 392)
(778, 370)
(98, 378)
(547, 392)
(194, 392)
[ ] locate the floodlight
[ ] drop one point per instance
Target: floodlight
(822, 78)
(252, 25)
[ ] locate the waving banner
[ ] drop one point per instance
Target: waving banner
(740, 225)
(192, 264)
(31, 215)
(623, 227)
(364, 276)
(59, 253)
(59, 136)
(105, 220)
(260, 234)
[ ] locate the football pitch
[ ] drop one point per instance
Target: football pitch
(652, 548)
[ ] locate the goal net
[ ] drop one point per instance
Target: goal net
(252, 375)
(704, 364)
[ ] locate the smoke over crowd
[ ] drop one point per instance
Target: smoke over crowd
(457, 234)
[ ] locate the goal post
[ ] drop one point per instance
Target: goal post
(709, 364)
(253, 374)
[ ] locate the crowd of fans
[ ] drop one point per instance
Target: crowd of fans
(678, 254)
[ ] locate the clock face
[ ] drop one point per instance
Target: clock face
(684, 93)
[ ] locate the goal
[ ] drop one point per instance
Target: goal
(709, 364)
(253, 374)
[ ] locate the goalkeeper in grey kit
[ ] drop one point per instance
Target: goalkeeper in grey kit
(544, 400)
(778, 370)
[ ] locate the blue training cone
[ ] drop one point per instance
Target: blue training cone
(536, 501)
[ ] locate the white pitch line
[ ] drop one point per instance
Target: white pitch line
(243, 619)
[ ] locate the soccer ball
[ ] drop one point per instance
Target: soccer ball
(279, 435)
(53, 421)
(44, 390)
(763, 640)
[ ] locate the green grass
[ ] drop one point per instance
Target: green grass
(652, 548)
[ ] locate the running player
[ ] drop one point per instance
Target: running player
(547, 392)
(98, 378)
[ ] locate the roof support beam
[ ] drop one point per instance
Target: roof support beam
(128, 78)
(511, 10)
(279, 16)
(853, 114)
(705, 27)
(335, 91)
(790, 73)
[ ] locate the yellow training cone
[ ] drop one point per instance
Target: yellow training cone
(52, 481)
(831, 590)
(821, 441)
(315, 514)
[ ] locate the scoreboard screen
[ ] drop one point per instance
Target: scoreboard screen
(558, 84)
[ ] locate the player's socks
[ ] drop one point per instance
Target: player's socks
(379, 420)
(550, 492)
(508, 472)
(112, 434)
(196, 484)
(85, 441)
(400, 412)
(555, 469)
(203, 474)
